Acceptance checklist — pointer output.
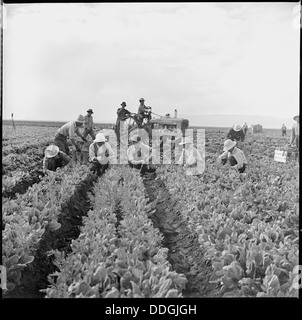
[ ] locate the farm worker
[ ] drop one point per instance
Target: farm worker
(143, 111)
(295, 134)
(245, 128)
(100, 155)
(139, 155)
(88, 125)
(54, 158)
(233, 155)
(69, 130)
(190, 157)
(236, 134)
(122, 115)
(283, 130)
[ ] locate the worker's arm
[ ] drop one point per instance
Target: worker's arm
(65, 157)
(92, 156)
(222, 156)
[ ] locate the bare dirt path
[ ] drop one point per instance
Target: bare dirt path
(185, 254)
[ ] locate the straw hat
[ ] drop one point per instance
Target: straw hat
(236, 127)
(185, 140)
(90, 110)
(296, 117)
(100, 137)
(141, 99)
(228, 144)
(80, 119)
(51, 151)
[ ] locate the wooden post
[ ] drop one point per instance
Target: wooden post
(13, 123)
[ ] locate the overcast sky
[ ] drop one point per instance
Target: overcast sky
(201, 58)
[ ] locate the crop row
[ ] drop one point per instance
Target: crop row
(26, 218)
(247, 224)
(118, 253)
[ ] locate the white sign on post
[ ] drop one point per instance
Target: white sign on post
(280, 156)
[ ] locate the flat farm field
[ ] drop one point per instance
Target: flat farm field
(71, 234)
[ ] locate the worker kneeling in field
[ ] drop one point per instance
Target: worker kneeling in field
(100, 155)
(191, 158)
(54, 158)
(139, 155)
(233, 155)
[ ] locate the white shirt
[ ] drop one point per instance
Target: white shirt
(101, 153)
(193, 161)
(133, 156)
(69, 129)
(237, 154)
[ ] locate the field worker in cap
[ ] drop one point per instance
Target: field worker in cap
(100, 155)
(143, 111)
(190, 157)
(283, 130)
(69, 130)
(233, 155)
(122, 115)
(245, 128)
(236, 134)
(139, 155)
(295, 135)
(88, 125)
(54, 158)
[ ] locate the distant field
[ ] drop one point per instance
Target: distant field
(57, 124)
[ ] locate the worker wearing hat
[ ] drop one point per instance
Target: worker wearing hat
(69, 130)
(236, 133)
(88, 125)
(139, 155)
(190, 157)
(233, 155)
(295, 134)
(143, 111)
(122, 115)
(54, 158)
(100, 154)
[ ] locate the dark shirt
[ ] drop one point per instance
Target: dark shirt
(236, 135)
(52, 164)
(121, 113)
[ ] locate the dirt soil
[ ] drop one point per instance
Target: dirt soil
(185, 254)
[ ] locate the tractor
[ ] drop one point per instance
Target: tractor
(164, 127)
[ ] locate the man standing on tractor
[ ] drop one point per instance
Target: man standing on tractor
(100, 155)
(88, 125)
(143, 111)
(69, 130)
(122, 115)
